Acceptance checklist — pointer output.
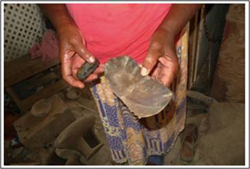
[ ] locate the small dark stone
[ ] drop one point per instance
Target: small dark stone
(86, 69)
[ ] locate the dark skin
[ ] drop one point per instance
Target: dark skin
(160, 61)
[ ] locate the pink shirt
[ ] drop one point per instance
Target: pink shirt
(112, 30)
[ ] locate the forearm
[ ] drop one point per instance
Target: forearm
(178, 17)
(57, 14)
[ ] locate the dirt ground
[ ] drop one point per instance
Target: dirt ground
(221, 137)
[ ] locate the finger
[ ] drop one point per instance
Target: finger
(171, 63)
(66, 66)
(166, 79)
(66, 69)
(150, 60)
(91, 77)
(99, 70)
(77, 61)
(167, 72)
(83, 52)
(76, 64)
(94, 75)
(73, 82)
(102, 65)
(155, 72)
(68, 77)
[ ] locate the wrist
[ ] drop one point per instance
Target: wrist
(178, 17)
(58, 15)
(170, 33)
(63, 22)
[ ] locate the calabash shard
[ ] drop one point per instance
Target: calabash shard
(142, 95)
(86, 69)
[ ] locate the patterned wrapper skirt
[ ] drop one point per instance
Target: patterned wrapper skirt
(132, 140)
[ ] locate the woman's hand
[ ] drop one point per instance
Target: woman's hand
(161, 60)
(73, 53)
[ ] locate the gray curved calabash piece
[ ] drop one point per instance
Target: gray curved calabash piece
(144, 96)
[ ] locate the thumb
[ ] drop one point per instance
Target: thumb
(150, 61)
(84, 53)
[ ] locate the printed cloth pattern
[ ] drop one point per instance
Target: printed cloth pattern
(132, 140)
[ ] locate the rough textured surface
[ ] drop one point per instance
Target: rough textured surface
(44, 154)
(229, 81)
(86, 69)
(142, 95)
(37, 132)
(73, 93)
(221, 137)
(79, 139)
(224, 143)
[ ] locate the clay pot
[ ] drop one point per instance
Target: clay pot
(73, 94)
(41, 108)
(72, 143)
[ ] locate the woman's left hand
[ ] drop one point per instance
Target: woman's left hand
(161, 60)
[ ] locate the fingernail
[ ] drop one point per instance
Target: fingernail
(92, 59)
(144, 71)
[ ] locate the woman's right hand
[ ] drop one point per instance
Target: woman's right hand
(73, 53)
